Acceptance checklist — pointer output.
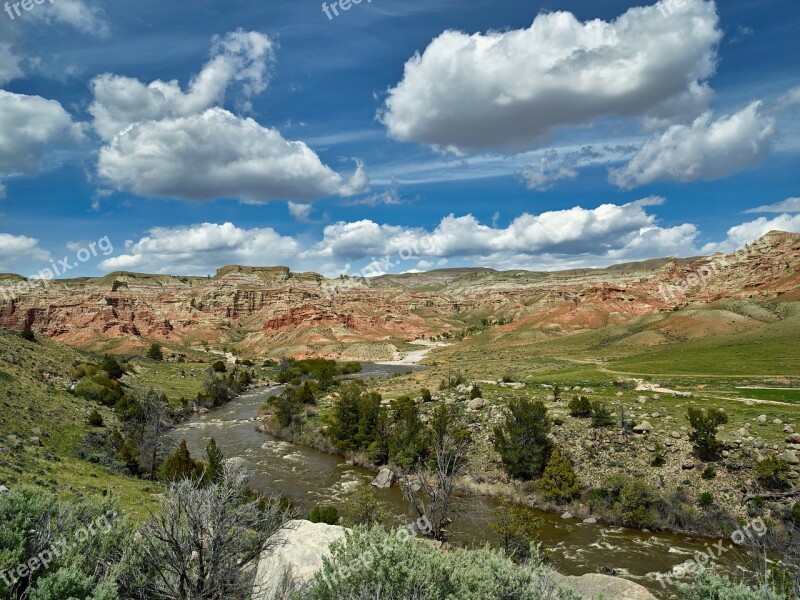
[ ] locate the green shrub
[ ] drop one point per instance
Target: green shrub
(706, 499)
(630, 500)
(154, 352)
(580, 406)
(517, 529)
(709, 472)
(324, 514)
(180, 465)
(708, 586)
(659, 456)
(426, 395)
(476, 392)
(522, 440)
(392, 565)
(602, 415)
(794, 515)
(559, 481)
(95, 419)
(705, 423)
(219, 367)
(362, 508)
(27, 333)
(773, 473)
(112, 367)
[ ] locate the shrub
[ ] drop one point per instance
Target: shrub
(154, 352)
(381, 564)
(559, 481)
(219, 367)
(179, 466)
(794, 514)
(408, 442)
(475, 392)
(709, 472)
(630, 500)
(706, 499)
(324, 514)
(27, 333)
(659, 456)
(112, 367)
(601, 415)
(705, 422)
(708, 586)
(362, 508)
(522, 440)
(95, 419)
(773, 473)
(517, 528)
(426, 395)
(580, 406)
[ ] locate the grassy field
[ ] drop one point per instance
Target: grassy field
(34, 378)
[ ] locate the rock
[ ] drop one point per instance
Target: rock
(741, 432)
(620, 394)
(656, 396)
(643, 427)
(297, 556)
(749, 402)
(725, 454)
(35, 441)
(687, 465)
(790, 456)
(777, 422)
(4, 489)
(477, 404)
(517, 386)
(587, 390)
(587, 444)
(384, 480)
(793, 439)
(567, 515)
(590, 521)
(675, 435)
(642, 399)
(762, 419)
(788, 429)
(597, 585)
(202, 410)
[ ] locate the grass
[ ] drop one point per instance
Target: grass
(35, 403)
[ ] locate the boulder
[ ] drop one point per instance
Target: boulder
(296, 557)
(643, 427)
(596, 585)
(385, 479)
(477, 404)
(790, 456)
(762, 419)
(567, 515)
(793, 438)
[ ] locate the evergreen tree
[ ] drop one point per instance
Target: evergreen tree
(180, 465)
(522, 440)
(215, 460)
(580, 406)
(559, 481)
(601, 415)
(155, 352)
(705, 422)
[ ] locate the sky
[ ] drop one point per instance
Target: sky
(392, 135)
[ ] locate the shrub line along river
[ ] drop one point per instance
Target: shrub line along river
(311, 478)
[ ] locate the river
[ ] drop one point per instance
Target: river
(311, 478)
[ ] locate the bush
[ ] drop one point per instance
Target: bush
(27, 333)
(381, 564)
(559, 481)
(714, 587)
(709, 472)
(522, 440)
(475, 392)
(705, 422)
(426, 395)
(659, 456)
(112, 367)
(629, 499)
(219, 367)
(706, 499)
(179, 466)
(95, 419)
(362, 508)
(580, 406)
(517, 529)
(602, 415)
(154, 352)
(324, 514)
(773, 473)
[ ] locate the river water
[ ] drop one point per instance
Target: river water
(311, 478)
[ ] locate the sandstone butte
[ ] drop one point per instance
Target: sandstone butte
(270, 310)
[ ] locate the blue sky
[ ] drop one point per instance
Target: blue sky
(505, 134)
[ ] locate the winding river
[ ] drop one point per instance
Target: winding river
(310, 478)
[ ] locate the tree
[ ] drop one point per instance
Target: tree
(112, 367)
(27, 333)
(704, 437)
(180, 465)
(557, 393)
(773, 473)
(205, 541)
(154, 352)
(580, 406)
(601, 415)
(219, 367)
(435, 500)
(215, 461)
(407, 443)
(475, 392)
(324, 514)
(129, 454)
(559, 481)
(426, 395)
(517, 527)
(522, 440)
(362, 508)
(150, 428)
(95, 419)
(287, 408)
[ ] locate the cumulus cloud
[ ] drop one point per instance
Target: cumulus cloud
(31, 128)
(300, 211)
(240, 57)
(218, 155)
(510, 90)
(202, 248)
(10, 64)
(17, 248)
(708, 149)
(748, 232)
(589, 236)
(82, 16)
(790, 205)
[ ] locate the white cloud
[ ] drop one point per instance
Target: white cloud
(218, 155)
(605, 234)
(300, 211)
(10, 64)
(510, 90)
(790, 205)
(17, 248)
(242, 57)
(77, 13)
(203, 248)
(31, 128)
(748, 232)
(708, 149)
